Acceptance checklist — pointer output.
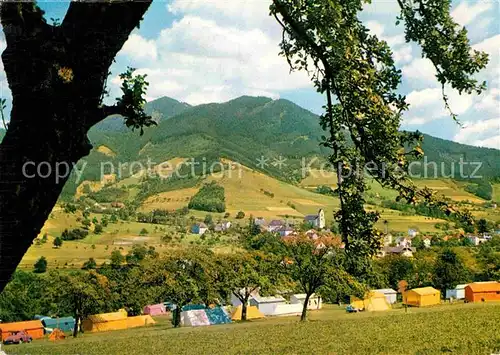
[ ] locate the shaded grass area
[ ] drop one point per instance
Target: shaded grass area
(460, 329)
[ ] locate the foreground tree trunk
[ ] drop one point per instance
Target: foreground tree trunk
(57, 76)
(244, 311)
(303, 316)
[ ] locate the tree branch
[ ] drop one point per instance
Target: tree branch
(22, 20)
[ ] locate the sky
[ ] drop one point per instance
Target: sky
(200, 51)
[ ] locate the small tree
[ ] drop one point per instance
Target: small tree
(86, 223)
(79, 293)
(240, 215)
(483, 226)
(44, 238)
(449, 271)
(248, 273)
(58, 242)
(143, 231)
(117, 258)
(208, 219)
(89, 264)
(41, 265)
(315, 265)
(98, 229)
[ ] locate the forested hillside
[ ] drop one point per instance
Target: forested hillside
(247, 129)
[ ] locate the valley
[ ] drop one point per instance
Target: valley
(266, 156)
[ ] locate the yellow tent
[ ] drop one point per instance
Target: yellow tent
(421, 297)
(105, 321)
(139, 321)
(114, 321)
(252, 313)
(374, 301)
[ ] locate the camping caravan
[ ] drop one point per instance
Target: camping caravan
(373, 302)
(457, 293)
(267, 305)
(155, 309)
(33, 328)
(252, 313)
(482, 292)
(422, 297)
(65, 324)
(313, 303)
(390, 295)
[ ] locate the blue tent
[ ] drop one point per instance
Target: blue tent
(66, 324)
(217, 316)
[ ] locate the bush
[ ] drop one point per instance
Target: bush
(75, 234)
(97, 229)
(240, 215)
(89, 264)
(58, 242)
(40, 265)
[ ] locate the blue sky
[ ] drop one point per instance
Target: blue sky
(201, 51)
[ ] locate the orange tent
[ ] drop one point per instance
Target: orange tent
(57, 334)
(482, 291)
(31, 327)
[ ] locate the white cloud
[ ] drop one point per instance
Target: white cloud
(428, 105)
(491, 46)
(484, 133)
(139, 48)
(403, 54)
(464, 14)
(489, 102)
(422, 70)
(201, 60)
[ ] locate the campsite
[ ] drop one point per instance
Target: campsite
(329, 330)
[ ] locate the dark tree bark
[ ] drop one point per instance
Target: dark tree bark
(57, 76)
(303, 316)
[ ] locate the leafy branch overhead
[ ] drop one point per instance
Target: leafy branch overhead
(357, 73)
(131, 104)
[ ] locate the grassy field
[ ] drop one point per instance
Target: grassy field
(458, 329)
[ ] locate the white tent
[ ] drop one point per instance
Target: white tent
(313, 303)
(457, 293)
(194, 318)
(390, 295)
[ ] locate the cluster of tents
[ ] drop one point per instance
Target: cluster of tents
(39, 327)
(381, 300)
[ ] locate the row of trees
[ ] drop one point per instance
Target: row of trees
(182, 277)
